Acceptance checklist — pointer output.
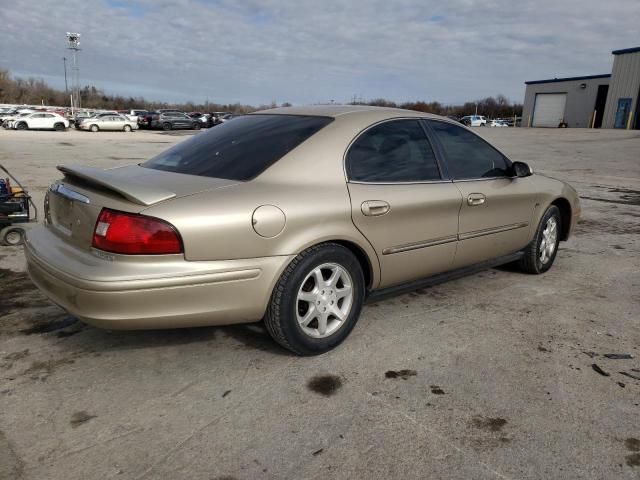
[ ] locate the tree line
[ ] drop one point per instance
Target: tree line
(35, 91)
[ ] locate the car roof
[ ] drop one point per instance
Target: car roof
(354, 111)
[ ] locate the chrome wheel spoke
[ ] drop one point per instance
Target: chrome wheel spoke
(309, 297)
(339, 314)
(322, 324)
(549, 240)
(311, 314)
(336, 273)
(319, 279)
(343, 292)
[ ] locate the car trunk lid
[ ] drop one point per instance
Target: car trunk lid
(74, 203)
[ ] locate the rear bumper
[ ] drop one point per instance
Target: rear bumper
(120, 292)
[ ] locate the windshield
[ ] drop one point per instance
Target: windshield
(239, 150)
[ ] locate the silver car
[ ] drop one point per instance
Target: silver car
(109, 122)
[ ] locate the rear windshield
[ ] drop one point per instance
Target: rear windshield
(239, 150)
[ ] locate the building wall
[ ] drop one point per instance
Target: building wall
(625, 83)
(580, 101)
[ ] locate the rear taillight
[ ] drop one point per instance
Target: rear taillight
(134, 234)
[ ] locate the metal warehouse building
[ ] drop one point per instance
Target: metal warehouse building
(607, 101)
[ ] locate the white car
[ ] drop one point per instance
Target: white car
(41, 121)
(474, 121)
(498, 123)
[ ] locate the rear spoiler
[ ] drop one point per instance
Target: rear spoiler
(135, 192)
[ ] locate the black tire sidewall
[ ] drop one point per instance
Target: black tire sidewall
(8, 232)
(166, 126)
(301, 342)
(552, 211)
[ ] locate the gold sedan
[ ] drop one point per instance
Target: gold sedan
(294, 216)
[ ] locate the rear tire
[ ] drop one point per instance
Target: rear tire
(317, 300)
(94, 128)
(166, 126)
(541, 252)
(12, 237)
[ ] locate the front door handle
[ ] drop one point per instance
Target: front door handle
(373, 208)
(475, 199)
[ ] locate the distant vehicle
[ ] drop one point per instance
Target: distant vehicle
(9, 120)
(94, 115)
(474, 121)
(8, 115)
(498, 123)
(216, 116)
(229, 116)
(109, 122)
(203, 118)
(172, 120)
(41, 121)
(134, 115)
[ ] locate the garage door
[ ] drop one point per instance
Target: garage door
(549, 109)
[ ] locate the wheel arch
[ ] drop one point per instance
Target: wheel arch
(362, 257)
(565, 216)
(365, 255)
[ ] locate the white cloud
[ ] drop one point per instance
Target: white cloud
(308, 51)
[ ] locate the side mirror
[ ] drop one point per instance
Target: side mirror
(521, 169)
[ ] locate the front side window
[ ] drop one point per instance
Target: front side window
(239, 150)
(468, 156)
(395, 151)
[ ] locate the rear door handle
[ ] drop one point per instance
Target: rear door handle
(373, 208)
(475, 199)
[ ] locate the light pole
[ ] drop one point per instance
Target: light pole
(73, 44)
(66, 89)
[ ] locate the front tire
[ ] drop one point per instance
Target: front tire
(196, 126)
(127, 128)
(166, 126)
(59, 127)
(541, 252)
(94, 128)
(317, 300)
(21, 126)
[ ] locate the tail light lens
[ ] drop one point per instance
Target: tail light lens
(134, 234)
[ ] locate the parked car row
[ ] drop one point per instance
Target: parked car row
(162, 119)
(481, 121)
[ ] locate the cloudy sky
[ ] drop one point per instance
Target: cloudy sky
(308, 51)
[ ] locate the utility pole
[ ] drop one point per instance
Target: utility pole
(66, 88)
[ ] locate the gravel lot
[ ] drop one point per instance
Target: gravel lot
(486, 377)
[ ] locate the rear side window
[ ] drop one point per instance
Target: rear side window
(468, 156)
(239, 150)
(395, 151)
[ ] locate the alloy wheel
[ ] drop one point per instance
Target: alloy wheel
(549, 240)
(324, 300)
